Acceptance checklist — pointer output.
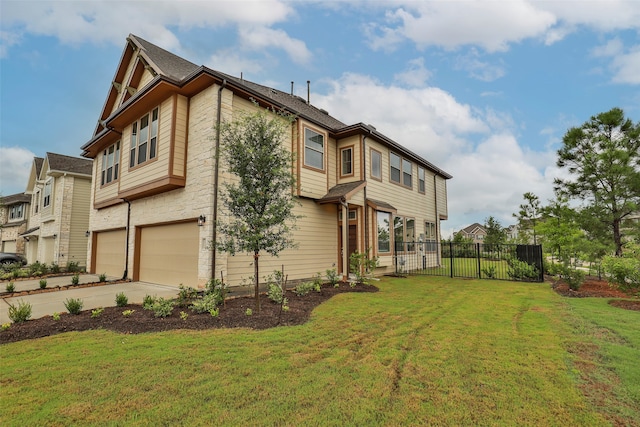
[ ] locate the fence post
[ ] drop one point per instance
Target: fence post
(478, 259)
(451, 258)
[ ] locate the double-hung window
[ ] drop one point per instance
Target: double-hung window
(144, 139)
(110, 164)
(395, 161)
(401, 170)
(46, 195)
(421, 182)
(376, 164)
(407, 176)
(346, 154)
(430, 236)
(410, 226)
(16, 212)
(398, 233)
(313, 149)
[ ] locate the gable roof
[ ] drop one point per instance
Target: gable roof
(13, 199)
(183, 75)
(62, 163)
(38, 162)
(473, 227)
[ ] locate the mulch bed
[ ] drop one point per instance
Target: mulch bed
(232, 315)
(595, 288)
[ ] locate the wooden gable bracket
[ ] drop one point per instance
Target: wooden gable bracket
(131, 90)
(117, 86)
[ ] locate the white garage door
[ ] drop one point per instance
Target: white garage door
(110, 252)
(48, 244)
(169, 254)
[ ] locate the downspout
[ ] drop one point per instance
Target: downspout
(435, 199)
(214, 233)
(126, 246)
(345, 238)
(366, 207)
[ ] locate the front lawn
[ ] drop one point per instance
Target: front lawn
(421, 351)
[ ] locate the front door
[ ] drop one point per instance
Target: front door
(352, 243)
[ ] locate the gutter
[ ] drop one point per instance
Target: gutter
(126, 247)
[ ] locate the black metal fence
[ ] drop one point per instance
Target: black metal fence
(470, 260)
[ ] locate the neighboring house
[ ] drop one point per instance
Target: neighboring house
(512, 232)
(14, 213)
(475, 232)
(155, 181)
(60, 188)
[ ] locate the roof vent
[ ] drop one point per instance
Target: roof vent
(372, 127)
(323, 111)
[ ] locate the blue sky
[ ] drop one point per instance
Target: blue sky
(483, 89)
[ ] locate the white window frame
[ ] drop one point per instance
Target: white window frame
(309, 134)
(16, 212)
(110, 164)
(421, 180)
(395, 165)
(46, 193)
(348, 163)
(380, 217)
(376, 157)
(144, 138)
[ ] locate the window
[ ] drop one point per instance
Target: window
(346, 154)
(384, 238)
(352, 215)
(401, 170)
(410, 226)
(430, 236)
(421, 186)
(110, 163)
(398, 233)
(313, 149)
(16, 212)
(394, 160)
(376, 164)
(36, 205)
(144, 139)
(46, 200)
(406, 173)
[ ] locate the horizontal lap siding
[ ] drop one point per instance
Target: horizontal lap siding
(79, 221)
(317, 249)
(146, 78)
(180, 136)
(109, 191)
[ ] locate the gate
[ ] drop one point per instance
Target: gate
(470, 260)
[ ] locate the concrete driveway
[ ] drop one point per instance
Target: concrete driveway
(45, 304)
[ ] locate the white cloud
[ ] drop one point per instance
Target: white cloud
(478, 69)
(416, 74)
(259, 37)
(234, 63)
(492, 25)
(76, 22)
(490, 169)
(625, 62)
(15, 165)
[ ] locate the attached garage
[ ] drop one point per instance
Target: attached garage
(168, 254)
(9, 246)
(110, 252)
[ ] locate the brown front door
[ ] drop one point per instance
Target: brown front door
(353, 241)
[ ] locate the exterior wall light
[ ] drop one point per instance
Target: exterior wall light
(201, 220)
(87, 233)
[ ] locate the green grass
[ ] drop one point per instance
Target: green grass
(421, 351)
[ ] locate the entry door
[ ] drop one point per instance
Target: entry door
(352, 243)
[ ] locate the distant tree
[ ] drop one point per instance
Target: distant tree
(559, 230)
(259, 201)
(529, 214)
(460, 238)
(496, 234)
(603, 158)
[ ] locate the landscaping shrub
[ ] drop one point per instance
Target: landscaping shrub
(11, 287)
(623, 272)
(162, 307)
(55, 268)
(73, 305)
(186, 295)
(305, 287)
(332, 276)
(148, 301)
(205, 304)
(20, 312)
(102, 277)
(216, 288)
(121, 299)
(97, 312)
(519, 270)
(275, 293)
(72, 267)
(75, 279)
(489, 272)
(37, 269)
(43, 283)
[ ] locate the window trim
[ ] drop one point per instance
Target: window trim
(350, 148)
(389, 216)
(422, 183)
(151, 130)
(46, 199)
(371, 151)
(401, 171)
(115, 165)
(408, 246)
(18, 208)
(304, 149)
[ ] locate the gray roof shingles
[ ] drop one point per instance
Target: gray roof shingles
(62, 163)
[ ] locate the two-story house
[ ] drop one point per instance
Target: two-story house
(476, 232)
(156, 181)
(59, 187)
(14, 213)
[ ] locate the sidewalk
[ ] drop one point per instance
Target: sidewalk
(47, 303)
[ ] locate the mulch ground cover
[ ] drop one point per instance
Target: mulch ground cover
(596, 288)
(231, 315)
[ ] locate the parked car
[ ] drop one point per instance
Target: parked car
(7, 258)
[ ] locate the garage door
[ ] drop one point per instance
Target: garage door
(110, 252)
(9, 246)
(169, 254)
(48, 244)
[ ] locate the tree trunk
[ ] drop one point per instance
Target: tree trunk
(617, 238)
(256, 280)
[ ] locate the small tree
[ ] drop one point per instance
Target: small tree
(260, 201)
(496, 234)
(529, 214)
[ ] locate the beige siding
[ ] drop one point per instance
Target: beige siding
(107, 192)
(153, 169)
(317, 250)
(146, 78)
(354, 143)
(126, 79)
(180, 141)
(443, 208)
(79, 221)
